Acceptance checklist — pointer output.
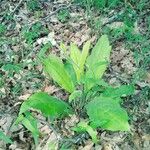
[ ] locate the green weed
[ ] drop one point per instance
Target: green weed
(5, 138)
(32, 33)
(33, 5)
(63, 15)
(81, 76)
(99, 4)
(2, 29)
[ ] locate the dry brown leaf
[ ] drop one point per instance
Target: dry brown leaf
(146, 137)
(24, 97)
(107, 146)
(50, 89)
(51, 142)
(88, 146)
(45, 129)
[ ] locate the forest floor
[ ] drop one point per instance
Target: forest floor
(28, 28)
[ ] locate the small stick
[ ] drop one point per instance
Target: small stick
(20, 2)
(57, 10)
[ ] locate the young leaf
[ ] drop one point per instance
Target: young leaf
(79, 58)
(106, 113)
(76, 94)
(63, 47)
(75, 55)
(48, 105)
(31, 124)
(18, 120)
(70, 70)
(84, 127)
(5, 138)
(43, 50)
(55, 68)
(84, 55)
(97, 61)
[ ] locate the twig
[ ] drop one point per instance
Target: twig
(118, 76)
(114, 18)
(20, 2)
(63, 6)
(56, 11)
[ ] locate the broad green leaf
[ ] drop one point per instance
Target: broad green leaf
(102, 83)
(48, 105)
(84, 55)
(84, 127)
(76, 94)
(123, 90)
(55, 68)
(79, 58)
(70, 70)
(96, 82)
(5, 138)
(107, 113)
(98, 60)
(75, 55)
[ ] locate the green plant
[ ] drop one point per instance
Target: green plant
(2, 29)
(5, 138)
(103, 3)
(32, 33)
(99, 4)
(81, 76)
(33, 5)
(84, 127)
(63, 15)
(11, 69)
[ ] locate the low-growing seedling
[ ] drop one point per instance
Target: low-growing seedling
(80, 74)
(99, 4)
(33, 5)
(2, 29)
(63, 15)
(5, 138)
(32, 33)
(11, 69)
